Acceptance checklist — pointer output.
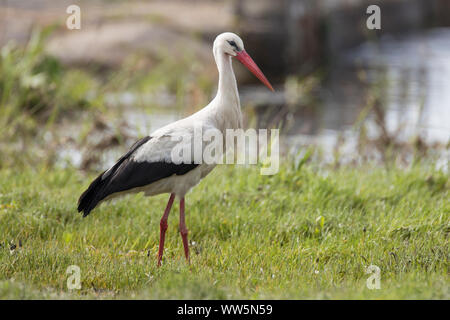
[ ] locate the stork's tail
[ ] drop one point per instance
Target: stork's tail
(92, 196)
(98, 189)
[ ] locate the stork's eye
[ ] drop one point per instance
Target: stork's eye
(234, 45)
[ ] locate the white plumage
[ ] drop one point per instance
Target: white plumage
(149, 165)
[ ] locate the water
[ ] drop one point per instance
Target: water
(411, 74)
(418, 72)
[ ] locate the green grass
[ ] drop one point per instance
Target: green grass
(307, 233)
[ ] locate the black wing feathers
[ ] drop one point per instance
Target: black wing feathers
(127, 174)
(89, 198)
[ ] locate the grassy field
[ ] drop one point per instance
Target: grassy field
(303, 233)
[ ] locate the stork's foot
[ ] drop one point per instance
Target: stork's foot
(184, 236)
(163, 227)
(184, 230)
(162, 235)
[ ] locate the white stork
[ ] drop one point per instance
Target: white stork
(148, 165)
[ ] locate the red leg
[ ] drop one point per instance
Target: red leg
(163, 228)
(184, 230)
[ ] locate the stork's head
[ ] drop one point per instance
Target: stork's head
(230, 44)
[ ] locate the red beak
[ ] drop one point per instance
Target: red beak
(247, 61)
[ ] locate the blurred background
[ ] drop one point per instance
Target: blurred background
(344, 94)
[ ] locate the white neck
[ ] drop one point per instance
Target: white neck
(227, 89)
(227, 102)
